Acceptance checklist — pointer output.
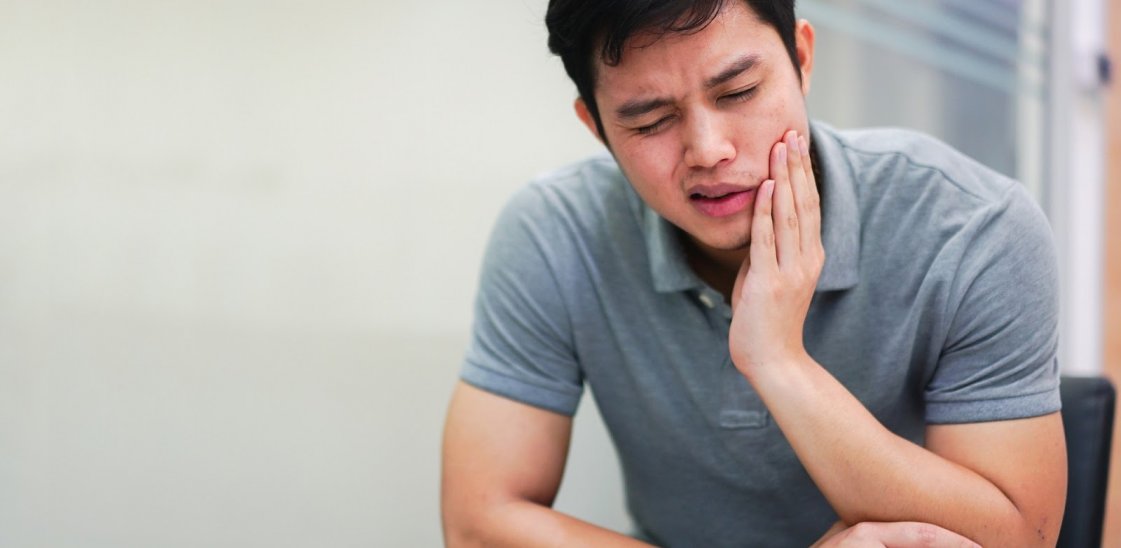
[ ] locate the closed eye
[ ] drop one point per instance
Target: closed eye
(653, 128)
(740, 96)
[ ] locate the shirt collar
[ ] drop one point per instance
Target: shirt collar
(840, 220)
(668, 265)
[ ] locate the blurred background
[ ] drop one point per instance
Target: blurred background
(239, 240)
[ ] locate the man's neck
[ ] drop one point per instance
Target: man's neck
(716, 267)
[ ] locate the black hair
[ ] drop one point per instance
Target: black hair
(584, 31)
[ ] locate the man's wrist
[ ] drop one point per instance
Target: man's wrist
(789, 367)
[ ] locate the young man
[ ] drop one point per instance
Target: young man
(794, 334)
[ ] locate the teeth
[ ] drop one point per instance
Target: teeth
(701, 195)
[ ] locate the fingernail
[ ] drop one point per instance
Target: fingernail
(803, 145)
(780, 154)
(770, 188)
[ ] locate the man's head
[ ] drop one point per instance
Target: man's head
(690, 98)
(586, 32)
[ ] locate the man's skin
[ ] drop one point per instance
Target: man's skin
(681, 114)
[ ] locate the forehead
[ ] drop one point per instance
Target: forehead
(650, 58)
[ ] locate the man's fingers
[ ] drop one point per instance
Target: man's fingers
(807, 163)
(799, 185)
(784, 214)
(794, 162)
(809, 211)
(762, 250)
(908, 533)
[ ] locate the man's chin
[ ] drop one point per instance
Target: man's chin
(741, 245)
(732, 245)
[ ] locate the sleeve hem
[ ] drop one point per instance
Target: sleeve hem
(1020, 407)
(518, 390)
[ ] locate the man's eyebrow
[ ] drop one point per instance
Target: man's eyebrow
(637, 107)
(740, 66)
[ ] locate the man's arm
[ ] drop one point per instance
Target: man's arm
(999, 483)
(502, 466)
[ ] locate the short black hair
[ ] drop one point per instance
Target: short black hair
(580, 31)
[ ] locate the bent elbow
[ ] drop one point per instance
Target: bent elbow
(461, 531)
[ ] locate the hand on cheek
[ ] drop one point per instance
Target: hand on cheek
(775, 285)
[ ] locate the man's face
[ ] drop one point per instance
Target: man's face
(692, 118)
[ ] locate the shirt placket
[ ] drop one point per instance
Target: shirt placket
(740, 406)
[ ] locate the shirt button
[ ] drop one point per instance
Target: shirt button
(707, 300)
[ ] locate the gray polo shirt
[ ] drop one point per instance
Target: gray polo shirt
(937, 304)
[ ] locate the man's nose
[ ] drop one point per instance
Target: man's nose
(707, 142)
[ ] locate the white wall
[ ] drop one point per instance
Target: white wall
(238, 247)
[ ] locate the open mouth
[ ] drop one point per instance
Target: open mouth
(722, 204)
(713, 196)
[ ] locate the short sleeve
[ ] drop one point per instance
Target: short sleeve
(999, 358)
(521, 341)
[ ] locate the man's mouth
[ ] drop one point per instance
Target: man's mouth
(721, 200)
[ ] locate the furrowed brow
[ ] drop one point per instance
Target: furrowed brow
(637, 107)
(740, 66)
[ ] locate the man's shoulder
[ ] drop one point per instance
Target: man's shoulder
(896, 155)
(583, 193)
(585, 205)
(587, 179)
(918, 201)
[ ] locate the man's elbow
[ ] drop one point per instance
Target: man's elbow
(461, 537)
(1027, 531)
(1037, 522)
(462, 529)
(1043, 531)
(480, 520)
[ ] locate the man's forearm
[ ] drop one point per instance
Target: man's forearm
(870, 474)
(524, 523)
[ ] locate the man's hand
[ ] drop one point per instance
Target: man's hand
(776, 283)
(899, 534)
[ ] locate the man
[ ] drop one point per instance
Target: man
(793, 334)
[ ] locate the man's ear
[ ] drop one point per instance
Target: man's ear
(585, 116)
(804, 46)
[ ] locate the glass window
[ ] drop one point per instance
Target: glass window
(970, 72)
